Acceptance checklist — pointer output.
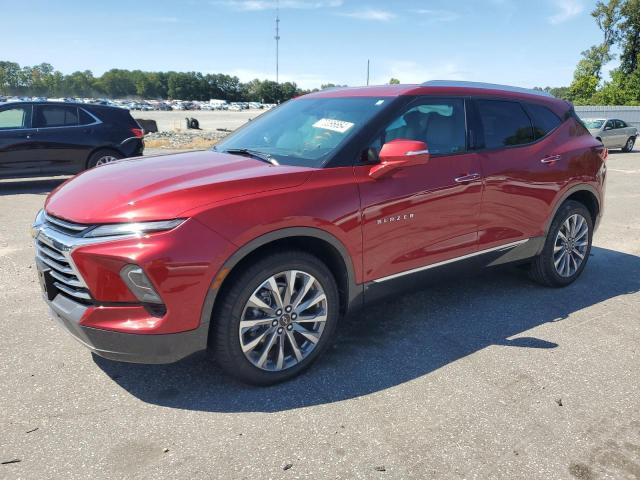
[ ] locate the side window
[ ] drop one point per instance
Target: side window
(15, 117)
(55, 116)
(610, 125)
(544, 120)
(85, 118)
(439, 123)
(505, 124)
(620, 124)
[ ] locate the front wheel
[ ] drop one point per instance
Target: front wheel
(276, 318)
(567, 248)
(628, 147)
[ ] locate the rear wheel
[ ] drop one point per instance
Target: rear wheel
(276, 318)
(102, 157)
(567, 248)
(628, 147)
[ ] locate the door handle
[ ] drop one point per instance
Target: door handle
(468, 178)
(550, 159)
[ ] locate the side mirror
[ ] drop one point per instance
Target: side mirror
(399, 153)
(608, 127)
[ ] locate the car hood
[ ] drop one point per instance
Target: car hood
(594, 131)
(164, 187)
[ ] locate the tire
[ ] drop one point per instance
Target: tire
(102, 157)
(543, 267)
(228, 340)
(628, 147)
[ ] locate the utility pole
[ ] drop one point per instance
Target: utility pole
(368, 72)
(277, 37)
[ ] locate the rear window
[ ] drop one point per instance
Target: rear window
(55, 116)
(544, 120)
(115, 116)
(505, 124)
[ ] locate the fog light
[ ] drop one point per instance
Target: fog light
(139, 284)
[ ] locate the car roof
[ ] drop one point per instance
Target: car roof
(444, 87)
(73, 104)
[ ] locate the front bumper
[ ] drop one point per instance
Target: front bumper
(126, 347)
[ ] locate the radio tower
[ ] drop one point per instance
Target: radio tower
(277, 37)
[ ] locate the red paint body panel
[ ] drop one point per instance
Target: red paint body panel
(416, 215)
(181, 264)
(152, 188)
(419, 215)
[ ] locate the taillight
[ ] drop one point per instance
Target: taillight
(137, 132)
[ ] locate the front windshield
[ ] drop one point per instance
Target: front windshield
(593, 124)
(307, 131)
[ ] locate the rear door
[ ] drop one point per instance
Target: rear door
(522, 166)
(623, 132)
(18, 147)
(64, 140)
(609, 134)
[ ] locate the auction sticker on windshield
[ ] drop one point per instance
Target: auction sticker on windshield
(333, 125)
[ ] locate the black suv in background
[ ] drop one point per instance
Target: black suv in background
(54, 138)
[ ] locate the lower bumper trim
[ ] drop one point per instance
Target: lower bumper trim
(127, 347)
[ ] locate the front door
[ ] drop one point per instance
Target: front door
(18, 153)
(421, 215)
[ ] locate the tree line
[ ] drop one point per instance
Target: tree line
(44, 80)
(619, 21)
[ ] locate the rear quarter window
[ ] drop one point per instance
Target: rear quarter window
(504, 123)
(544, 120)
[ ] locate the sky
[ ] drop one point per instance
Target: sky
(517, 42)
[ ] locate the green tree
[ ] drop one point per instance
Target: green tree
(394, 81)
(9, 78)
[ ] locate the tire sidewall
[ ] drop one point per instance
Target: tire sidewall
(246, 284)
(570, 208)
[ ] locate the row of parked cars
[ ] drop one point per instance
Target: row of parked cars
(151, 105)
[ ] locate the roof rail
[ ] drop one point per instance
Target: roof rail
(487, 86)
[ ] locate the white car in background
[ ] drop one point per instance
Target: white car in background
(613, 133)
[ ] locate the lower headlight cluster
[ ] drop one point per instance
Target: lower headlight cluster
(139, 284)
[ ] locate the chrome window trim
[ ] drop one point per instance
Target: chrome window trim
(97, 121)
(451, 260)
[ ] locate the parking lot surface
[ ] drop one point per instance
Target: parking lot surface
(482, 377)
(208, 120)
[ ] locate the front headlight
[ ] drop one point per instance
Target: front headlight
(37, 223)
(139, 228)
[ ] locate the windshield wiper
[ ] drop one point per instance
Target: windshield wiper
(265, 157)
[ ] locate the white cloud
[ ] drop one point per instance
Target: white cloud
(568, 10)
(257, 5)
(437, 15)
(373, 14)
(412, 72)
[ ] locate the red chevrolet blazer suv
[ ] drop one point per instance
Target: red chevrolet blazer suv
(256, 248)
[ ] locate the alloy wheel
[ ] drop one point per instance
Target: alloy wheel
(106, 159)
(283, 320)
(630, 143)
(571, 245)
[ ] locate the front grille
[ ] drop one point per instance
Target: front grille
(64, 275)
(64, 226)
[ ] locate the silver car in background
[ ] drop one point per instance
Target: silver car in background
(613, 133)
